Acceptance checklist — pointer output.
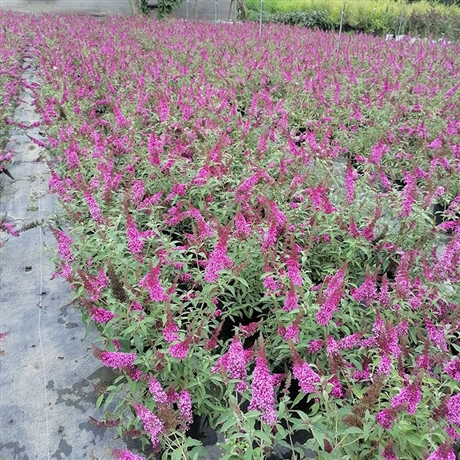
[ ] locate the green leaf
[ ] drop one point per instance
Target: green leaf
(100, 399)
(229, 423)
(198, 452)
(318, 430)
(263, 436)
(176, 454)
(242, 281)
(281, 432)
(139, 342)
(327, 456)
(353, 430)
(281, 409)
(249, 454)
(414, 439)
(191, 442)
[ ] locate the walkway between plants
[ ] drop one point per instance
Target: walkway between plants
(47, 370)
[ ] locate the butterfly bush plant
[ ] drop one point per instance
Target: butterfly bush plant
(12, 48)
(263, 231)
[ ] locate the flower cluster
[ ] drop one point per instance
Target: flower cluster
(262, 388)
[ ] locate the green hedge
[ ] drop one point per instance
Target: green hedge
(433, 24)
(419, 18)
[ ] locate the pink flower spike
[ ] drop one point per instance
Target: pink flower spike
(250, 329)
(307, 377)
(436, 144)
(180, 350)
(9, 228)
(135, 238)
(263, 389)
(332, 347)
(367, 292)
(349, 341)
(64, 245)
(294, 272)
(152, 424)
(386, 417)
(314, 346)
(119, 454)
(118, 359)
(135, 374)
(291, 302)
(410, 395)
(384, 366)
(377, 152)
(93, 206)
(444, 452)
(170, 332)
(156, 390)
(155, 149)
(243, 229)
(452, 368)
(292, 333)
(185, 409)
(350, 178)
(333, 295)
(337, 390)
(270, 284)
(453, 410)
(436, 336)
(137, 192)
(452, 432)
(270, 238)
(388, 453)
(218, 259)
(152, 283)
(234, 363)
(102, 316)
(384, 296)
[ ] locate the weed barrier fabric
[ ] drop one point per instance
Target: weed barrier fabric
(47, 371)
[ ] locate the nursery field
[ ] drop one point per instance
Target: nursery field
(264, 230)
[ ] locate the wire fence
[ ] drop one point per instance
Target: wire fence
(232, 11)
(209, 10)
(371, 16)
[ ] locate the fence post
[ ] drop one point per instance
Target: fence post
(341, 24)
(260, 21)
(375, 14)
(186, 9)
(401, 19)
(215, 12)
(233, 5)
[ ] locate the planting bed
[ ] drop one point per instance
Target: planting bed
(251, 228)
(11, 45)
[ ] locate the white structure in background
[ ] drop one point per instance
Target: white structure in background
(415, 39)
(68, 6)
